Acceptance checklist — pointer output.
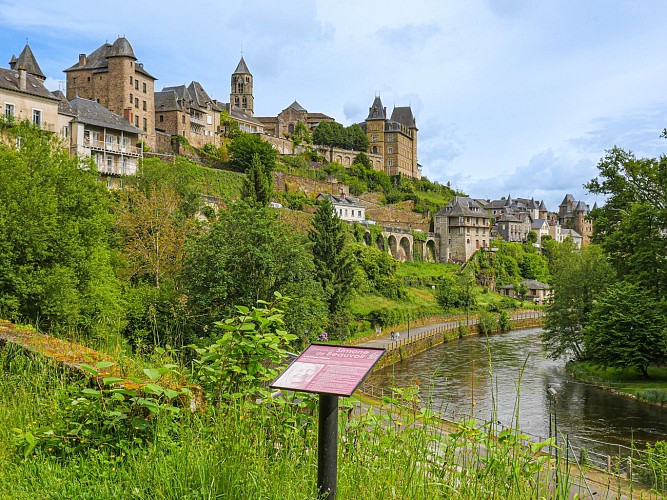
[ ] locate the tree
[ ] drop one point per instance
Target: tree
(522, 292)
(256, 188)
(244, 147)
(448, 292)
(301, 133)
(363, 159)
(246, 256)
(630, 226)
(358, 140)
(55, 254)
(531, 237)
(333, 261)
(627, 329)
(577, 279)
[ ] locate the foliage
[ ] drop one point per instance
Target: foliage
(651, 467)
(487, 322)
(256, 189)
(244, 147)
(247, 354)
(115, 413)
(55, 259)
(626, 328)
(335, 135)
(504, 322)
(301, 134)
(246, 256)
(333, 261)
(456, 291)
(229, 128)
(578, 278)
(379, 270)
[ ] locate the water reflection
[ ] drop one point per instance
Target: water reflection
(497, 377)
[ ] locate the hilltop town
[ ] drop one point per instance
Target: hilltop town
(112, 112)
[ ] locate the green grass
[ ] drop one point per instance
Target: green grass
(629, 381)
(425, 270)
(265, 452)
(224, 184)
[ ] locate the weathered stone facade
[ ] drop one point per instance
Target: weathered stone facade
(241, 94)
(463, 227)
(111, 76)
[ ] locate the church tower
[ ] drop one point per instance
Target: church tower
(241, 95)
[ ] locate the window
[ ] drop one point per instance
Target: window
(145, 125)
(109, 141)
(236, 101)
(358, 213)
(374, 138)
(131, 80)
(109, 164)
(131, 98)
(209, 119)
(136, 84)
(88, 78)
(390, 150)
(144, 105)
(9, 110)
(136, 102)
(161, 118)
(143, 87)
(183, 119)
(245, 102)
(37, 117)
(136, 121)
(390, 163)
(74, 80)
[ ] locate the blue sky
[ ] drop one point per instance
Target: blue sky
(510, 96)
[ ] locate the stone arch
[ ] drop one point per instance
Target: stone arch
(367, 238)
(405, 250)
(380, 243)
(347, 161)
(290, 128)
(393, 246)
(339, 159)
(429, 252)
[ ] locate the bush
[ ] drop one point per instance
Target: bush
(487, 322)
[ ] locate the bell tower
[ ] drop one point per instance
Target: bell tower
(241, 91)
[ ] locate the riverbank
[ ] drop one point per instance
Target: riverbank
(628, 383)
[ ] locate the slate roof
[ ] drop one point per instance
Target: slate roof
(27, 60)
(543, 207)
(463, 206)
(530, 284)
(537, 223)
(341, 200)
(93, 113)
(64, 107)
(97, 61)
(404, 116)
(238, 113)
(9, 80)
(242, 67)
(377, 104)
(167, 100)
(568, 198)
(296, 107)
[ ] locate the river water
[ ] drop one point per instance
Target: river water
(511, 372)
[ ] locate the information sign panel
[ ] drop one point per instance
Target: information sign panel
(329, 369)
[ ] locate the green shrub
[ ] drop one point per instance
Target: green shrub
(487, 323)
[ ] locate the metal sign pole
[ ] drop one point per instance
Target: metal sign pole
(327, 447)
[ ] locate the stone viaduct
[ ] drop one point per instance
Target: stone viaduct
(401, 245)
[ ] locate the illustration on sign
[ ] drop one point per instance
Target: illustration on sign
(329, 369)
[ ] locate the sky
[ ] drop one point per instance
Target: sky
(518, 97)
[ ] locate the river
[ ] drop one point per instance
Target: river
(487, 371)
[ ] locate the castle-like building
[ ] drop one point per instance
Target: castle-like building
(394, 138)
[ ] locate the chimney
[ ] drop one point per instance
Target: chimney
(82, 59)
(23, 78)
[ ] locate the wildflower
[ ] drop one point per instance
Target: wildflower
(399, 423)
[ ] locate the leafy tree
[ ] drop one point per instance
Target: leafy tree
(379, 271)
(244, 147)
(522, 292)
(55, 256)
(358, 140)
(534, 266)
(627, 328)
(577, 279)
(322, 134)
(363, 159)
(630, 225)
(229, 127)
(301, 133)
(246, 256)
(531, 237)
(448, 292)
(333, 262)
(256, 188)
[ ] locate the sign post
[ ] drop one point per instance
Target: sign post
(329, 371)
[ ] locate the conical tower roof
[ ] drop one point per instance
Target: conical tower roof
(27, 60)
(377, 111)
(242, 67)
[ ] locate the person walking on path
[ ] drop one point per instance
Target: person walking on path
(397, 335)
(393, 336)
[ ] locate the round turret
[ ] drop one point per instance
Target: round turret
(121, 48)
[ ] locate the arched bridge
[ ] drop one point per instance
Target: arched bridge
(401, 245)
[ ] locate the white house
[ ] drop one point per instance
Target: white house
(347, 208)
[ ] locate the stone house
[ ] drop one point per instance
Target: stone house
(189, 112)
(347, 208)
(538, 292)
(394, 138)
(284, 124)
(111, 76)
(463, 227)
(571, 233)
(23, 95)
(574, 214)
(541, 228)
(109, 139)
(513, 227)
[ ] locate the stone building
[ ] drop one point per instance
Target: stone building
(189, 112)
(573, 214)
(111, 76)
(284, 124)
(241, 94)
(23, 95)
(394, 138)
(463, 227)
(514, 227)
(347, 208)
